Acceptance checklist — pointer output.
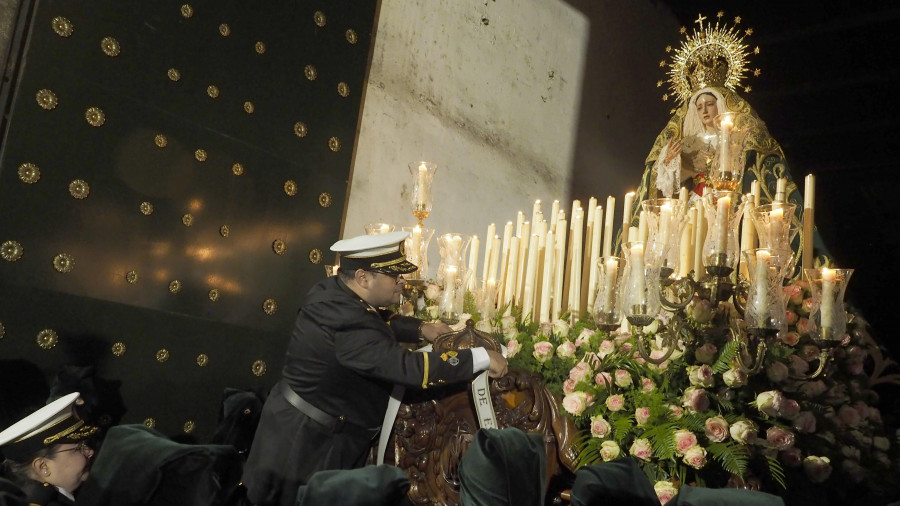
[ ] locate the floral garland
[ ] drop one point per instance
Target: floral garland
(698, 418)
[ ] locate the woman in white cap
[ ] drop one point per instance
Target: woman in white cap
(46, 453)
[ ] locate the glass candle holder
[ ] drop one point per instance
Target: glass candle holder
(720, 249)
(606, 308)
(378, 228)
(733, 132)
(827, 314)
(420, 196)
(639, 287)
(416, 248)
(776, 230)
(452, 274)
(665, 222)
(765, 312)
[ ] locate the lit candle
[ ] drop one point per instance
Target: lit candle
(523, 260)
(637, 267)
(422, 183)
(665, 216)
(449, 294)
(809, 204)
(643, 231)
(489, 298)
(416, 249)
(608, 226)
(594, 258)
(827, 305)
(724, 169)
(520, 219)
(626, 210)
(685, 251)
(761, 283)
(723, 213)
(504, 259)
(609, 282)
(683, 199)
(495, 258)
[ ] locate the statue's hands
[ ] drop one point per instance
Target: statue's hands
(673, 150)
(431, 331)
(498, 366)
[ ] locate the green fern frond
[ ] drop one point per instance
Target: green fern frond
(732, 456)
(776, 471)
(728, 353)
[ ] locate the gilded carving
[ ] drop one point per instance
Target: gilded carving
(300, 129)
(131, 277)
(187, 11)
(174, 74)
(315, 256)
(46, 99)
(11, 250)
(319, 18)
(259, 47)
(343, 89)
(187, 220)
(238, 169)
(160, 140)
(63, 263)
(269, 306)
(189, 426)
(290, 187)
(224, 30)
(351, 36)
(175, 286)
(95, 116)
(325, 199)
(2, 331)
(118, 348)
(258, 368)
(310, 72)
(79, 189)
(162, 355)
(150, 422)
(29, 173)
(200, 155)
(213, 91)
(47, 339)
(202, 359)
(213, 295)
(248, 107)
(334, 144)
(146, 208)
(62, 26)
(224, 230)
(279, 247)
(110, 46)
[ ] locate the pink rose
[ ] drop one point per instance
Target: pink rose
(791, 317)
(584, 339)
(743, 431)
(581, 372)
(701, 310)
(615, 402)
(789, 338)
(600, 427)
(642, 415)
(734, 378)
(790, 408)
(695, 457)
(817, 469)
(605, 348)
(805, 421)
(641, 449)
(706, 354)
(433, 291)
(676, 411)
(716, 429)
(543, 351)
(849, 416)
(561, 328)
(792, 457)
(794, 294)
(684, 439)
(802, 326)
(769, 402)
(545, 329)
(806, 306)
(575, 403)
(609, 450)
(656, 355)
(508, 323)
(566, 349)
(665, 491)
(701, 375)
(569, 386)
(647, 385)
(782, 439)
(623, 378)
(603, 379)
(625, 348)
(777, 371)
(513, 348)
(695, 399)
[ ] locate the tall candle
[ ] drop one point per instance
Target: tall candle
(535, 212)
(809, 204)
(449, 294)
(559, 271)
(761, 283)
(422, 184)
(781, 190)
(495, 257)
(665, 216)
(723, 213)
(488, 245)
(776, 225)
(473, 262)
(510, 283)
(504, 258)
(530, 275)
(748, 232)
(609, 282)
(594, 258)
(416, 244)
(685, 251)
(643, 231)
(523, 251)
(577, 259)
(627, 204)
(727, 126)
(547, 277)
(554, 214)
(700, 232)
(520, 220)
(827, 306)
(683, 199)
(608, 226)
(637, 267)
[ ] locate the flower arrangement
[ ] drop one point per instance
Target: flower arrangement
(700, 418)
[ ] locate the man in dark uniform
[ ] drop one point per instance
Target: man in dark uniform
(342, 362)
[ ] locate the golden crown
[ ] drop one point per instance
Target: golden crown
(713, 55)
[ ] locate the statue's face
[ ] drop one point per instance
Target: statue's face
(706, 109)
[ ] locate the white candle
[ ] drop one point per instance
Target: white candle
(473, 262)
(627, 204)
(416, 249)
(422, 183)
(594, 259)
(536, 212)
(665, 216)
(781, 189)
(488, 245)
(554, 214)
(754, 190)
(809, 204)
(827, 305)
(685, 251)
(577, 259)
(747, 232)
(510, 283)
(489, 298)
(523, 251)
(727, 125)
(699, 230)
(559, 271)
(547, 277)
(608, 226)
(609, 282)
(637, 267)
(643, 231)
(504, 259)
(776, 225)
(723, 213)
(520, 219)
(495, 257)
(683, 199)
(530, 275)
(449, 294)
(761, 283)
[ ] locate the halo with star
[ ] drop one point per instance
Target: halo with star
(709, 45)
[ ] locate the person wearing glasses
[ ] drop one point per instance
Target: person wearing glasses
(343, 360)
(47, 453)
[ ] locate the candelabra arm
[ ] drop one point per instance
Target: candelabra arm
(744, 347)
(741, 291)
(669, 343)
(682, 288)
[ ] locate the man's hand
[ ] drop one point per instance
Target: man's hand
(498, 366)
(431, 331)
